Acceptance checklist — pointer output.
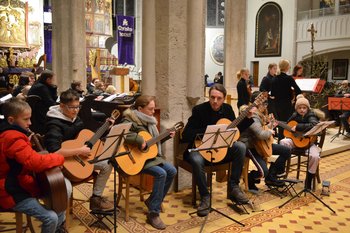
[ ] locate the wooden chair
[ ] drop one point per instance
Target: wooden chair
(126, 181)
(18, 223)
(302, 159)
(70, 206)
(179, 148)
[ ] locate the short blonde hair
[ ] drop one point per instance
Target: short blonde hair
(110, 89)
(284, 65)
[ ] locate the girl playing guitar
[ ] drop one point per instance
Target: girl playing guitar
(258, 139)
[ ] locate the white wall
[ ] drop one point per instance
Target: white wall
(288, 35)
(212, 68)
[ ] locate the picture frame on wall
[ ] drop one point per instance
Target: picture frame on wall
(340, 69)
(268, 30)
(14, 24)
(217, 50)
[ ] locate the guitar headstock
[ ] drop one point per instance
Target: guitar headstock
(261, 98)
(179, 125)
(115, 114)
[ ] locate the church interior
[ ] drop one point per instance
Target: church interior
(113, 51)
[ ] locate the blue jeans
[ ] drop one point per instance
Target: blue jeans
(235, 154)
(50, 219)
(163, 177)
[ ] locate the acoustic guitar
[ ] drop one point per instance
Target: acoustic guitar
(219, 154)
(51, 182)
(298, 139)
(77, 168)
(133, 162)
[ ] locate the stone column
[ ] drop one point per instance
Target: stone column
(148, 83)
(196, 14)
(235, 41)
(68, 42)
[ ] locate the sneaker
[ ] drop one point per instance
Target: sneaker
(62, 228)
(238, 196)
(347, 135)
(274, 182)
(100, 203)
(154, 220)
(281, 174)
(252, 182)
(203, 208)
(147, 204)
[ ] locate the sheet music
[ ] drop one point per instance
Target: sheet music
(307, 84)
(217, 136)
(112, 140)
(318, 128)
(6, 97)
(110, 98)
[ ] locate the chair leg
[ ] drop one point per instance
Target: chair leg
(19, 222)
(127, 194)
(245, 172)
(298, 166)
(30, 224)
(120, 188)
(287, 168)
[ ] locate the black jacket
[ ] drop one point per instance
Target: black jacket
(304, 123)
(243, 95)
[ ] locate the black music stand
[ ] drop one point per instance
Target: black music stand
(341, 127)
(312, 132)
(114, 141)
(215, 137)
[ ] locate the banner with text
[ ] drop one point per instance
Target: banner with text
(125, 39)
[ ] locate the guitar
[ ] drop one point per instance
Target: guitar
(298, 139)
(77, 168)
(219, 154)
(264, 147)
(51, 182)
(133, 162)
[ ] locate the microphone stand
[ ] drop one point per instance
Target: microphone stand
(214, 136)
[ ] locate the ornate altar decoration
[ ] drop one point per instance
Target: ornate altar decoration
(13, 24)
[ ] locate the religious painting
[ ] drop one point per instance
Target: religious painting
(268, 32)
(89, 22)
(99, 21)
(340, 69)
(13, 24)
(99, 6)
(327, 7)
(34, 34)
(89, 6)
(217, 50)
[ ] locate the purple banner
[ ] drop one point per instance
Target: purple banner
(48, 33)
(125, 39)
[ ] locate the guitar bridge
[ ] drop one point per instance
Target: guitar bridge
(79, 160)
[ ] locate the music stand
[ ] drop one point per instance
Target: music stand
(114, 140)
(341, 103)
(214, 138)
(312, 132)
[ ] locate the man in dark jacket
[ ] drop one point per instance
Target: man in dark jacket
(205, 114)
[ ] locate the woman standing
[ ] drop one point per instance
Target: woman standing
(142, 119)
(282, 91)
(243, 88)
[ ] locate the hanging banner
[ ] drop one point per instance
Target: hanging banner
(48, 33)
(125, 39)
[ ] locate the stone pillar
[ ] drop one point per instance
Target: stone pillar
(68, 42)
(148, 83)
(235, 41)
(196, 14)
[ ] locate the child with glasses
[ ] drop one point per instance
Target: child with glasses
(64, 124)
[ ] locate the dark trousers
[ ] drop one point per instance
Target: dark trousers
(235, 154)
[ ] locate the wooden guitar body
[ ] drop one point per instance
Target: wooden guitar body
(298, 139)
(77, 168)
(53, 188)
(133, 162)
(217, 154)
(264, 147)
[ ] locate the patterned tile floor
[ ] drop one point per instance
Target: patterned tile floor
(304, 214)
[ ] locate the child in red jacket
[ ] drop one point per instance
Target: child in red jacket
(18, 188)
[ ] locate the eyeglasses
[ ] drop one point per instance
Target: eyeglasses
(73, 107)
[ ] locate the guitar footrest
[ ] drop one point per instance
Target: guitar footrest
(100, 216)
